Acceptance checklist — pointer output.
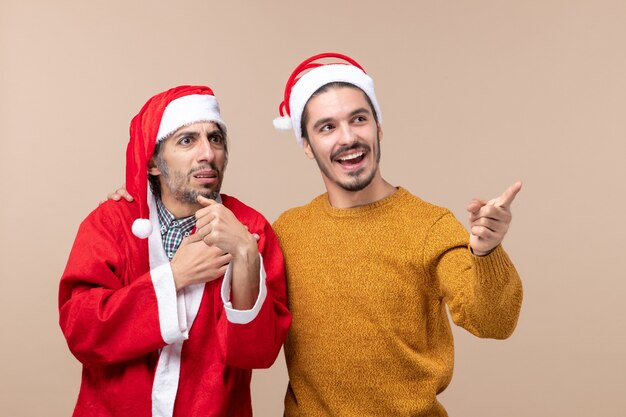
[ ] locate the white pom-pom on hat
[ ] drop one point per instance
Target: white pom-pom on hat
(283, 123)
(142, 228)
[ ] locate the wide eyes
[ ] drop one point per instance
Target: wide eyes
(214, 138)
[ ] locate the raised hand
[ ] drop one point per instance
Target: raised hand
(218, 226)
(196, 262)
(489, 220)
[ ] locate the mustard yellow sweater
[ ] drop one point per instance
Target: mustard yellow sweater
(367, 289)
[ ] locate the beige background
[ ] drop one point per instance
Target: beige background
(475, 95)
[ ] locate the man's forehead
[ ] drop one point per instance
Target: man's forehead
(336, 99)
(197, 127)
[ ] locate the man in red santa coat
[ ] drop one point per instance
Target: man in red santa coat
(170, 300)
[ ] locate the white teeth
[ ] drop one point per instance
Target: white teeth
(351, 156)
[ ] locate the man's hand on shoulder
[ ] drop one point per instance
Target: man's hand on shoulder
(489, 220)
(119, 194)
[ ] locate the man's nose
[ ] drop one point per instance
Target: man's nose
(347, 135)
(205, 151)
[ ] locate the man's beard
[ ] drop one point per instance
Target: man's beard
(357, 184)
(178, 181)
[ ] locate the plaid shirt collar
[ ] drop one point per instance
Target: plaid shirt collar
(173, 230)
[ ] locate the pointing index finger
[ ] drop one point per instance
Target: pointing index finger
(206, 202)
(508, 196)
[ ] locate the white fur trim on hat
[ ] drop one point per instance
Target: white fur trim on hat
(187, 110)
(142, 228)
(310, 82)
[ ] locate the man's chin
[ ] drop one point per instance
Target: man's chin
(354, 187)
(191, 196)
(211, 195)
(357, 183)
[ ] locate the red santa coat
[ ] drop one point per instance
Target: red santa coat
(147, 351)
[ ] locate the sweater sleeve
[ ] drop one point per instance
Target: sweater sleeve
(108, 305)
(256, 343)
(483, 294)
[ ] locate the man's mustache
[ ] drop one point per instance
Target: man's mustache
(355, 146)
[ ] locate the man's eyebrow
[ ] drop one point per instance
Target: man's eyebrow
(186, 133)
(322, 122)
(360, 111)
(353, 113)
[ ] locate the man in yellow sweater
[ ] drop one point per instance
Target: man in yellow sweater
(370, 267)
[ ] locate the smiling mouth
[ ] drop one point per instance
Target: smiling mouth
(352, 158)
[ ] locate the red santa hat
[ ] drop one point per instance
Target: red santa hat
(161, 116)
(309, 76)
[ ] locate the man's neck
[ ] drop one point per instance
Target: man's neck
(377, 190)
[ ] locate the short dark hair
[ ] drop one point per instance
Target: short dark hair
(153, 180)
(325, 88)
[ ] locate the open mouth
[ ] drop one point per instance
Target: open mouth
(205, 176)
(351, 158)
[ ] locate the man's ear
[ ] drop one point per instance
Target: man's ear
(380, 131)
(152, 167)
(306, 146)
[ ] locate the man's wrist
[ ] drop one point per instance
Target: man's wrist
(245, 279)
(248, 252)
(481, 253)
(179, 281)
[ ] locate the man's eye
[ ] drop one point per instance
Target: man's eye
(216, 139)
(185, 141)
(360, 119)
(326, 127)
